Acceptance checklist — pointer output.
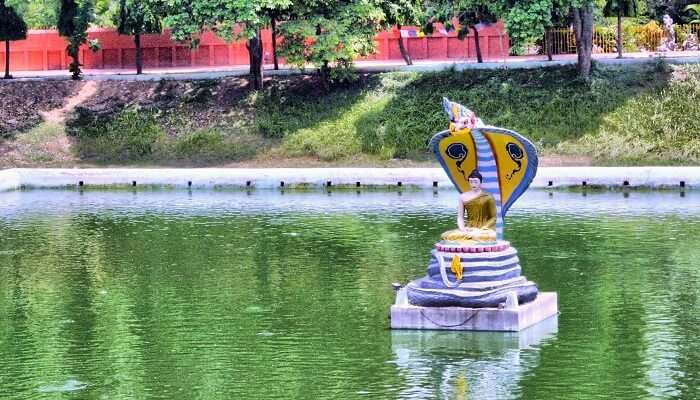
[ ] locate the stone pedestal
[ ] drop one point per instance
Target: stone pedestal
(512, 318)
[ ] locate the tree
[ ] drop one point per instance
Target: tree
(230, 19)
(38, 14)
(12, 27)
(471, 15)
(107, 12)
(137, 17)
(674, 8)
(400, 13)
(619, 9)
(528, 21)
(695, 9)
(73, 21)
(330, 35)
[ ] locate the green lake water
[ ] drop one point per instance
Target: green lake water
(271, 295)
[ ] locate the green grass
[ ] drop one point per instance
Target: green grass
(642, 114)
(211, 145)
(131, 136)
(658, 127)
(652, 108)
(36, 147)
(138, 137)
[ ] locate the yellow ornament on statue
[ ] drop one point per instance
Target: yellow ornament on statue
(457, 268)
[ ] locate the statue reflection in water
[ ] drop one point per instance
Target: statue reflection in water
(468, 365)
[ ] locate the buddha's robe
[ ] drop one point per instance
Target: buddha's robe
(479, 221)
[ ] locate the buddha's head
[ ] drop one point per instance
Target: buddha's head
(475, 180)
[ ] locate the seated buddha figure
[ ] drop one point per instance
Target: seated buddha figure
(479, 223)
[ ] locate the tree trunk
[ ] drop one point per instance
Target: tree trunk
(619, 32)
(402, 48)
(255, 54)
(7, 60)
(325, 73)
(583, 29)
(139, 54)
(74, 67)
(274, 43)
(479, 58)
(548, 43)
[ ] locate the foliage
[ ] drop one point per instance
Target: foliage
(107, 12)
(188, 18)
(94, 45)
(470, 14)
(43, 14)
(137, 136)
(330, 36)
(648, 36)
(73, 21)
(38, 14)
(674, 8)
(403, 12)
(394, 115)
(137, 17)
(694, 10)
(604, 38)
(682, 32)
(336, 137)
(130, 136)
(623, 8)
(658, 126)
(12, 26)
(209, 145)
(629, 29)
(230, 19)
(400, 13)
(526, 21)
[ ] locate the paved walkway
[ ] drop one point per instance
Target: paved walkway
(273, 178)
(188, 73)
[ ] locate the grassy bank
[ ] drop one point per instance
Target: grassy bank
(630, 115)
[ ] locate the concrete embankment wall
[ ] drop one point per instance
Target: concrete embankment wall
(554, 177)
(9, 180)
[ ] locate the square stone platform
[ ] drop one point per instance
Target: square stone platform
(514, 319)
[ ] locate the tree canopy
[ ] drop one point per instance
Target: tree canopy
(12, 26)
(330, 35)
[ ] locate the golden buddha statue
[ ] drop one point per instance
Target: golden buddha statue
(480, 222)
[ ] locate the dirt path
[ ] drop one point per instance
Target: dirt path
(58, 115)
(47, 144)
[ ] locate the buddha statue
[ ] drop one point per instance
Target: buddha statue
(476, 215)
(473, 266)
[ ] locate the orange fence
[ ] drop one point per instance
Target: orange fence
(45, 50)
(646, 37)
